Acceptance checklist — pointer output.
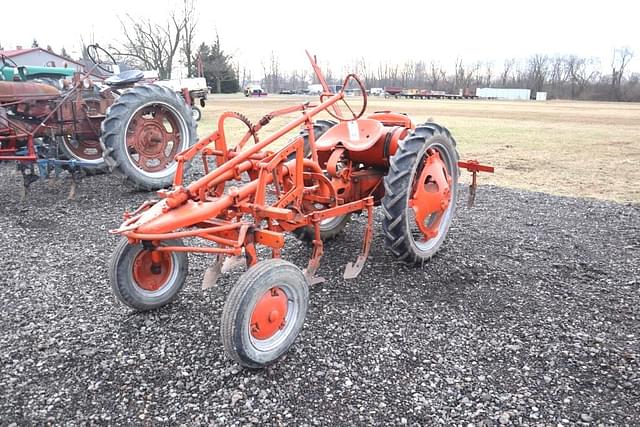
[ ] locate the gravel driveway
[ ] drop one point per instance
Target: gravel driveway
(530, 314)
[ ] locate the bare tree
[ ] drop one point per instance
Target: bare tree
(407, 74)
(188, 41)
(438, 74)
(488, 73)
(619, 62)
(507, 71)
(272, 76)
(538, 70)
(579, 74)
(153, 45)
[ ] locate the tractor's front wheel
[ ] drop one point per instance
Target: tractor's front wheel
(143, 279)
(196, 113)
(264, 313)
(421, 189)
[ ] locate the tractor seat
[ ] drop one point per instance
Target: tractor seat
(355, 135)
(125, 78)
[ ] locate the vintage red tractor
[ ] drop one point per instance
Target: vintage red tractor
(310, 186)
(92, 124)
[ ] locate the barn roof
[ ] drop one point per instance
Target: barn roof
(17, 52)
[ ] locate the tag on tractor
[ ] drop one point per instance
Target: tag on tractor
(354, 132)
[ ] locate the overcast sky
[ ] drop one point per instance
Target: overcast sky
(340, 31)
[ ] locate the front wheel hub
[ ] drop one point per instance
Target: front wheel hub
(152, 269)
(269, 314)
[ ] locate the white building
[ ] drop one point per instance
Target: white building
(500, 93)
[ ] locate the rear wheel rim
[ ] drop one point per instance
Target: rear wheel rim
(430, 207)
(273, 318)
(155, 133)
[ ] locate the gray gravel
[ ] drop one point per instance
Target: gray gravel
(529, 315)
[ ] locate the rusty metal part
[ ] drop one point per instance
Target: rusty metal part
(25, 91)
(153, 138)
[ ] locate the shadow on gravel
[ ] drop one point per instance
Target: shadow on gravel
(528, 315)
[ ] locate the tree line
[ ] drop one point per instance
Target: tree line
(561, 76)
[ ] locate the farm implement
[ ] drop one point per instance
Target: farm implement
(310, 186)
(81, 123)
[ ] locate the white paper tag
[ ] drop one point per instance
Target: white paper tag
(354, 132)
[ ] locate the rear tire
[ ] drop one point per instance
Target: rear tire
(264, 313)
(136, 286)
(400, 182)
(329, 229)
(151, 123)
(319, 128)
(333, 226)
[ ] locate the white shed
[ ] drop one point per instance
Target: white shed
(541, 96)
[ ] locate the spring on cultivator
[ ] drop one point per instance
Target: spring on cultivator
(332, 170)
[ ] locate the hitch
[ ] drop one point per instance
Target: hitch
(474, 167)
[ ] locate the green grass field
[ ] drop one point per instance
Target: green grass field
(585, 149)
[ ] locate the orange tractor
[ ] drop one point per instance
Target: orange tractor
(310, 187)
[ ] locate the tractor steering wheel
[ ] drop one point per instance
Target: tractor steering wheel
(335, 111)
(96, 54)
(6, 62)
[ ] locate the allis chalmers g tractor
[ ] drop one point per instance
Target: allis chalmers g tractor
(86, 124)
(309, 187)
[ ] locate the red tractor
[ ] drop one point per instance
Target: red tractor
(310, 187)
(89, 123)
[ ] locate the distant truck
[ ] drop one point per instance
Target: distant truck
(317, 89)
(254, 89)
(466, 93)
(190, 89)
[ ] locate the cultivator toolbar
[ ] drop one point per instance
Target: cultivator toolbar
(310, 187)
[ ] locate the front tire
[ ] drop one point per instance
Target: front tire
(142, 133)
(140, 286)
(264, 313)
(421, 190)
(196, 113)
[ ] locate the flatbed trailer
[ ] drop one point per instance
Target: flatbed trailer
(436, 94)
